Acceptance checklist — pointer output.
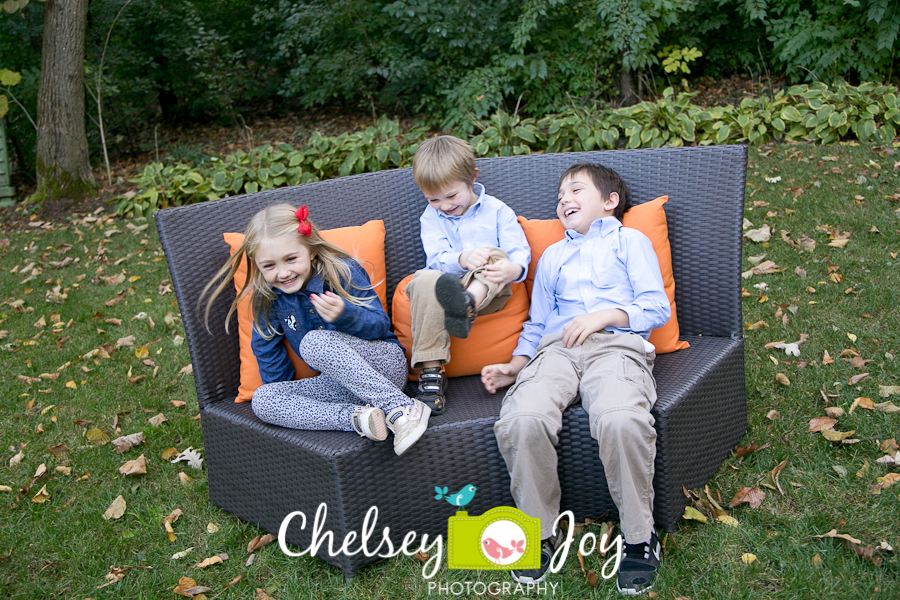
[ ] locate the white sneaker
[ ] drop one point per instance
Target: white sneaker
(408, 424)
(368, 421)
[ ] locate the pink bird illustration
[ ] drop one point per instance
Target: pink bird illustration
(494, 549)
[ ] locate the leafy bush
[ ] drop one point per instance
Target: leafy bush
(814, 112)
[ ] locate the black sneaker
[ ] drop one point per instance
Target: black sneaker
(638, 567)
(433, 389)
(548, 548)
(459, 305)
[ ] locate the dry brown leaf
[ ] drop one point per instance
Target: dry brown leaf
(235, 580)
(884, 483)
(826, 358)
(262, 595)
(757, 325)
(116, 509)
(772, 415)
(888, 390)
(169, 453)
(157, 420)
(97, 437)
(137, 466)
(421, 556)
(39, 472)
(753, 496)
(886, 407)
(260, 541)
(125, 341)
(821, 423)
(184, 479)
(185, 583)
(196, 591)
(862, 402)
(837, 436)
(167, 523)
(126, 442)
(592, 579)
(59, 451)
(212, 560)
(868, 553)
(63, 470)
(857, 378)
(889, 446)
(42, 496)
(771, 480)
(834, 534)
(834, 412)
(741, 451)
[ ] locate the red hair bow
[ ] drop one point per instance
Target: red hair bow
(304, 228)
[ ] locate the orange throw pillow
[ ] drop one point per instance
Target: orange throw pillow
(650, 219)
(492, 338)
(365, 243)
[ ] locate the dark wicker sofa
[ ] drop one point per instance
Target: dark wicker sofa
(261, 473)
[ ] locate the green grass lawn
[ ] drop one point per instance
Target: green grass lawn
(91, 340)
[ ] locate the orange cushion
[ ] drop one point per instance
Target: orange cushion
(648, 218)
(365, 243)
(492, 338)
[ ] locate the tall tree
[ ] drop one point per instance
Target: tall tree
(63, 170)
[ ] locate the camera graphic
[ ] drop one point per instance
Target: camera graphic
(503, 538)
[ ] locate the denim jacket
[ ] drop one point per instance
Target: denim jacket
(292, 315)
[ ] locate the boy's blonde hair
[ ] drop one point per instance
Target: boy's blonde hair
(441, 161)
(272, 222)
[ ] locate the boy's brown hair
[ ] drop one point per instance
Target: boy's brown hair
(606, 181)
(441, 161)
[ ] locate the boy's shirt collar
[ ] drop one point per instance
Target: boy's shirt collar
(478, 189)
(600, 227)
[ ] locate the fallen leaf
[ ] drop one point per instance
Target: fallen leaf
(862, 402)
(834, 534)
(41, 470)
(772, 415)
(212, 528)
(157, 420)
(142, 352)
(753, 496)
(178, 403)
(867, 553)
(64, 470)
(883, 483)
(125, 341)
(857, 378)
(728, 520)
(886, 407)
(116, 509)
(212, 560)
(421, 556)
(17, 458)
(191, 457)
(782, 379)
(182, 554)
(886, 391)
(834, 412)
(821, 423)
(771, 480)
(852, 337)
(197, 591)
(126, 442)
(763, 234)
(167, 523)
(184, 479)
(816, 560)
(137, 466)
(185, 583)
(826, 358)
(260, 541)
(748, 558)
(235, 580)
(692, 513)
(756, 326)
(97, 437)
(592, 579)
(837, 436)
(741, 451)
(42, 496)
(169, 453)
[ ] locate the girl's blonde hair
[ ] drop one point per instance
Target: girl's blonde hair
(328, 262)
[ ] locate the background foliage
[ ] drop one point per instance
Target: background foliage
(451, 63)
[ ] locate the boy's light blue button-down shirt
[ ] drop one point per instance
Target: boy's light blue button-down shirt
(610, 267)
(488, 222)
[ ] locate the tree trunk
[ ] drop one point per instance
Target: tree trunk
(627, 93)
(63, 170)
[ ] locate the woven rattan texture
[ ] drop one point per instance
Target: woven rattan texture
(261, 473)
(347, 471)
(705, 188)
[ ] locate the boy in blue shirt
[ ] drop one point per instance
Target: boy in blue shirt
(474, 249)
(597, 295)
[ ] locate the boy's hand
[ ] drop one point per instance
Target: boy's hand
(501, 375)
(329, 305)
(578, 329)
(502, 272)
(473, 259)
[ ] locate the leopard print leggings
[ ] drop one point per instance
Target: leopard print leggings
(354, 372)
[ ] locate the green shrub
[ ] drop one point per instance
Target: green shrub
(816, 112)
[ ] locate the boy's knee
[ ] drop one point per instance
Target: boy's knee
(623, 423)
(521, 428)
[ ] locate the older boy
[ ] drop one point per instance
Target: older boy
(474, 249)
(597, 295)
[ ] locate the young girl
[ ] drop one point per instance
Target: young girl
(312, 293)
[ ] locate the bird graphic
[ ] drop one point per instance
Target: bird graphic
(494, 549)
(460, 498)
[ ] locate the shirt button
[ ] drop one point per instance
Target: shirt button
(320, 327)
(312, 312)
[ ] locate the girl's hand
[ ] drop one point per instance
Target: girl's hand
(329, 305)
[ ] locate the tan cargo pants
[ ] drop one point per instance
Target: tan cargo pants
(430, 339)
(613, 374)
